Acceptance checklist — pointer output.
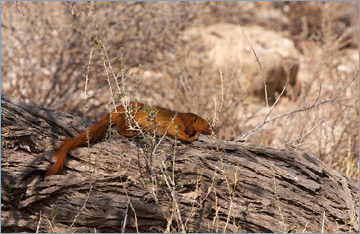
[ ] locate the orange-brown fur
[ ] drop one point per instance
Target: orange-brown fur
(185, 126)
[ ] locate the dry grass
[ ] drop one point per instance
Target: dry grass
(46, 47)
(77, 57)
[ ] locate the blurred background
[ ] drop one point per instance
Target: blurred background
(197, 57)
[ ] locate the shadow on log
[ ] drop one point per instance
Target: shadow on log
(132, 184)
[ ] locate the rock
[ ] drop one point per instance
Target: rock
(227, 45)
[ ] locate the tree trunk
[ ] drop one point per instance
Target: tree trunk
(135, 184)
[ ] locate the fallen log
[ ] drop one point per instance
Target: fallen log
(162, 185)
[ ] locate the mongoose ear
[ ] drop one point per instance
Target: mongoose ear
(194, 120)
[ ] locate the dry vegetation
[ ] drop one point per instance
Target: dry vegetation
(210, 58)
(48, 50)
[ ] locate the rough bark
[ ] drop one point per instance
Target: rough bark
(219, 186)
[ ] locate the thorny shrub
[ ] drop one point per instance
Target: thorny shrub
(46, 47)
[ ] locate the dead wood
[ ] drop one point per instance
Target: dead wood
(109, 187)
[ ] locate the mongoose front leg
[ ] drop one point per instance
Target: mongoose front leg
(183, 137)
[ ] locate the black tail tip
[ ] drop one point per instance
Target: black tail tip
(33, 173)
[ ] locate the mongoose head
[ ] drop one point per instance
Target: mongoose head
(202, 126)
